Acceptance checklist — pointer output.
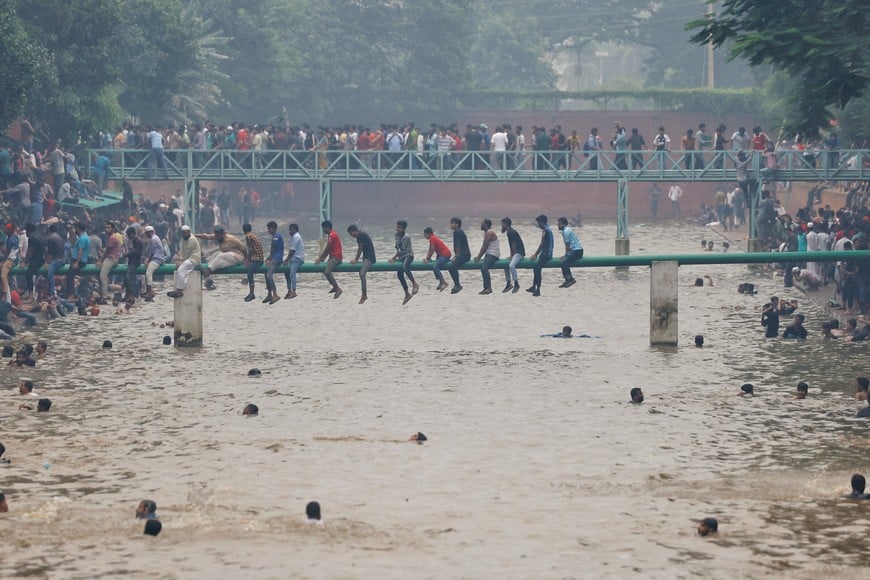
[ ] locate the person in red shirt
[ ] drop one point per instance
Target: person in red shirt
(242, 139)
(760, 141)
(442, 256)
(332, 255)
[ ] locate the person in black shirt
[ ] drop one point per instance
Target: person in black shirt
(859, 484)
(517, 251)
(461, 253)
(796, 330)
(770, 318)
(54, 256)
(366, 250)
(35, 256)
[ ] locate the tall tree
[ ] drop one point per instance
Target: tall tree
(24, 67)
(822, 44)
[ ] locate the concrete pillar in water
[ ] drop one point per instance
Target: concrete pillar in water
(754, 245)
(623, 248)
(663, 296)
(188, 313)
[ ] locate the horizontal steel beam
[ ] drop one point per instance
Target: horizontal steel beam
(586, 262)
(465, 166)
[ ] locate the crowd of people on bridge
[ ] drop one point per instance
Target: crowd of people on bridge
(504, 146)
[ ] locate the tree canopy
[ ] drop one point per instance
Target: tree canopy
(821, 45)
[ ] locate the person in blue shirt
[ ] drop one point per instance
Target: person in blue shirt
(573, 251)
(79, 255)
(275, 259)
(101, 172)
(543, 254)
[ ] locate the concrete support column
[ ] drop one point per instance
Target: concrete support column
(325, 200)
(663, 298)
(623, 248)
(188, 313)
(191, 203)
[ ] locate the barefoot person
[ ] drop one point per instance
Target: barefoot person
(253, 258)
(517, 252)
(231, 253)
(365, 249)
(490, 252)
(405, 256)
(295, 258)
(461, 252)
(442, 256)
(543, 254)
(332, 254)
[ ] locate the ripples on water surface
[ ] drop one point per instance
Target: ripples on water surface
(536, 465)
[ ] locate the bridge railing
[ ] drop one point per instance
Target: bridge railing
(529, 165)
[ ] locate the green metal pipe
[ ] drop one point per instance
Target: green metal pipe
(586, 262)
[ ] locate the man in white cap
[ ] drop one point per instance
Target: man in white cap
(808, 277)
(189, 255)
(155, 255)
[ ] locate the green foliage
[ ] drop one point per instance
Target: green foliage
(155, 49)
(821, 44)
(23, 67)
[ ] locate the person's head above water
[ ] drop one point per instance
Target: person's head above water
(699, 281)
(25, 386)
(858, 483)
(43, 405)
(107, 344)
(802, 389)
(418, 437)
(699, 341)
(636, 395)
(312, 511)
(746, 389)
(146, 509)
(153, 527)
(251, 410)
(708, 526)
(4, 507)
(567, 331)
(255, 372)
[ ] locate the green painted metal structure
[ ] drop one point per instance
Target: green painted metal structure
(326, 167)
(586, 262)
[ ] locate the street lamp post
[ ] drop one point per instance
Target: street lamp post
(601, 54)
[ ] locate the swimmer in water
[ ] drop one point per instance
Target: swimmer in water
(862, 384)
(251, 410)
(152, 527)
(802, 389)
(746, 390)
(312, 513)
(636, 395)
(4, 507)
(25, 387)
(42, 406)
(418, 437)
(567, 332)
(865, 412)
(255, 372)
(700, 281)
(146, 510)
(859, 483)
(708, 526)
(699, 341)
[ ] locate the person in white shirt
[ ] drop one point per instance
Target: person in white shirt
(674, 194)
(499, 146)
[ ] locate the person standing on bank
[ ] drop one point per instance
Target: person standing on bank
(332, 253)
(295, 258)
(543, 254)
(365, 249)
(573, 251)
(517, 252)
(276, 257)
(490, 252)
(253, 258)
(461, 252)
(404, 255)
